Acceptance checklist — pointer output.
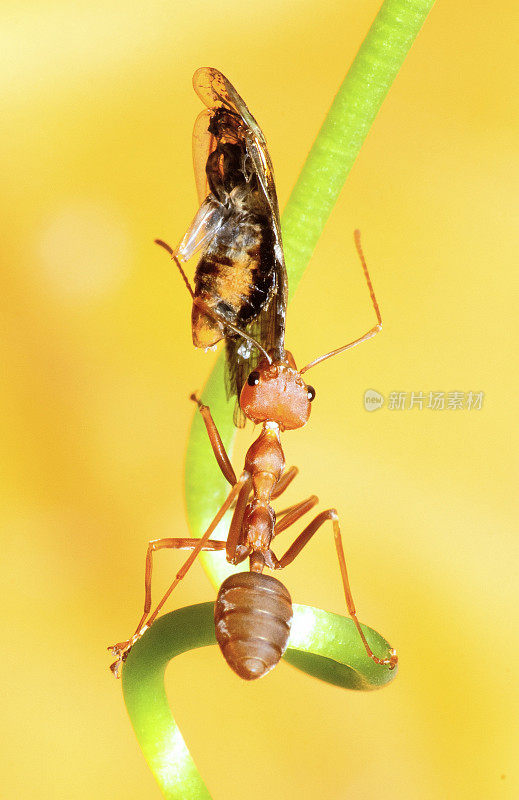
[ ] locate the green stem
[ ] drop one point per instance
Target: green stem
(347, 124)
(325, 645)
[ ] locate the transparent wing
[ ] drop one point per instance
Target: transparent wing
(203, 145)
(205, 226)
(216, 91)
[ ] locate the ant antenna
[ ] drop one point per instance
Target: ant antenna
(358, 245)
(197, 301)
(174, 258)
(372, 332)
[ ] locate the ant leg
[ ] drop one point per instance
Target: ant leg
(121, 650)
(251, 495)
(236, 526)
(201, 542)
(216, 443)
(172, 544)
(284, 482)
(297, 546)
(294, 513)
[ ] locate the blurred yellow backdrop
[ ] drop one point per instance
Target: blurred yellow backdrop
(98, 365)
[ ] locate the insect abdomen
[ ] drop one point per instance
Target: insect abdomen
(236, 273)
(252, 616)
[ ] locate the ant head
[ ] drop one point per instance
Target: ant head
(276, 392)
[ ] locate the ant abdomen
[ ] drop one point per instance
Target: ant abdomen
(252, 615)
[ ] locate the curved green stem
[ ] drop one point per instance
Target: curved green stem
(325, 645)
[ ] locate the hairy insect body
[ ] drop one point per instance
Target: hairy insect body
(240, 285)
(234, 276)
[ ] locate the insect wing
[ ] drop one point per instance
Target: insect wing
(205, 226)
(263, 166)
(203, 145)
(216, 91)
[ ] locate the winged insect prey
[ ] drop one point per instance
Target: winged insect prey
(253, 611)
(241, 272)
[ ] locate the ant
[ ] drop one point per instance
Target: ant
(276, 396)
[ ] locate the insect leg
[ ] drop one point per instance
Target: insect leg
(201, 542)
(294, 513)
(216, 443)
(297, 546)
(169, 544)
(235, 528)
(122, 649)
(284, 482)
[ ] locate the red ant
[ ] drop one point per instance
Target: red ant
(276, 396)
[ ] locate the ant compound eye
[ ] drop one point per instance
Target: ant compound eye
(310, 392)
(253, 378)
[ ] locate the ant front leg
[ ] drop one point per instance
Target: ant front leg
(122, 649)
(219, 450)
(295, 549)
(284, 482)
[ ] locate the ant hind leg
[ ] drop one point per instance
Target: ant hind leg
(303, 539)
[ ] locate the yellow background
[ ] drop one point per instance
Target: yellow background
(97, 114)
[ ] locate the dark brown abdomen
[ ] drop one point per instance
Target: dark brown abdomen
(252, 617)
